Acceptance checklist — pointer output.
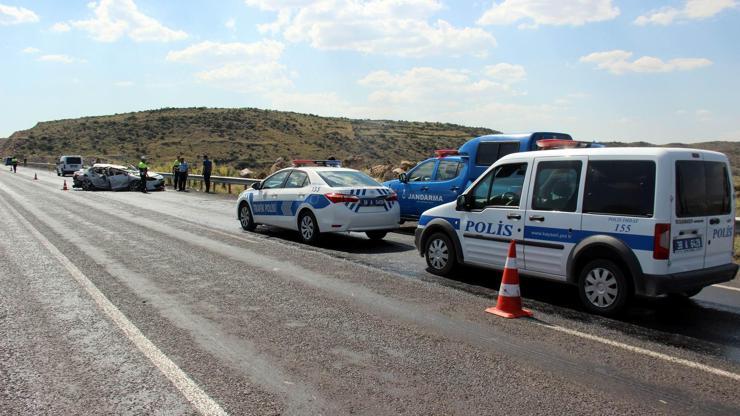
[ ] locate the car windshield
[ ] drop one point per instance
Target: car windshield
(347, 178)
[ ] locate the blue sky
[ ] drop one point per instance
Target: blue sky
(660, 70)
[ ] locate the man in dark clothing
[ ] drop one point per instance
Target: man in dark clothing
(183, 176)
(207, 167)
(14, 163)
(143, 169)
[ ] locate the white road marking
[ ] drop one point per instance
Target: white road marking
(736, 289)
(643, 351)
(194, 394)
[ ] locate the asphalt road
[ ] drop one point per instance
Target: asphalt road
(123, 303)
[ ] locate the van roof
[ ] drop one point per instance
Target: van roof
(612, 151)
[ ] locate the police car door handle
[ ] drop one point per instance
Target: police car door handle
(539, 218)
(424, 188)
(714, 221)
(513, 216)
(455, 188)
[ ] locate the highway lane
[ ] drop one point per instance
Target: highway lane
(707, 322)
(265, 325)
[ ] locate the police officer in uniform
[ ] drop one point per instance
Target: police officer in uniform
(14, 163)
(143, 169)
(176, 172)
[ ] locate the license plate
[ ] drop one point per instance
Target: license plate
(372, 202)
(687, 244)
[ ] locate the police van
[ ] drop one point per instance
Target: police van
(68, 164)
(441, 179)
(612, 221)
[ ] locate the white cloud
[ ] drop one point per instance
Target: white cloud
(247, 67)
(617, 62)
(541, 12)
(59, 58)
(230, 24)
(10, 15)
(506, 73)
(389, 27)
(124, 84)
(60, 27)
(114, 19)
(692, 10)
(703, 115)
(31, 50)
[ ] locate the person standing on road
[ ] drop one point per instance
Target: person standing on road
(143, 170)
(207, 167)
(14, 164)
(176, 172)
(183, 177)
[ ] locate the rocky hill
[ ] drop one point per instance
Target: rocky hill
(250, 138)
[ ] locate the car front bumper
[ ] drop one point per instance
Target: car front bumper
(654, 285)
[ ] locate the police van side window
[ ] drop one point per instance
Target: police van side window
(556, 186)
(620, 187)
(448, 169)
(489, 152)
(275, 181)
(502, 187)
(423, 172)
(297, 179)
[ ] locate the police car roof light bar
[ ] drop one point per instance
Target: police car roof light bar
(549, 144)
(448, 152)
(327, 163)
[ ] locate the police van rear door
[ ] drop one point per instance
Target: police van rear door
(702, 226)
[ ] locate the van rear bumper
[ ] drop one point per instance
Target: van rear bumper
(685, 282)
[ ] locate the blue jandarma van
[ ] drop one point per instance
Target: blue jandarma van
(441, 179)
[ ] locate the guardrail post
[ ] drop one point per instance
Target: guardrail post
(229, 188)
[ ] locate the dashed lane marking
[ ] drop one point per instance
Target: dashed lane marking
(192, 392)
(643, 351)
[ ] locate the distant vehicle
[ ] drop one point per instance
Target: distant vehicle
(106, 177)
(441, 179)
(316, 197)
(68, 164)
(8, 161)
(612, 222)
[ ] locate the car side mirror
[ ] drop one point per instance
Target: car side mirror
(257, 185)
(464, 202)
(403, 178)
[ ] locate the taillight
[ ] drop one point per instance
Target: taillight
(338, 198)
(662, 241)
(392, 197)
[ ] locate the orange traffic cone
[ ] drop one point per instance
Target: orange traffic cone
(509, 303)
(64, 188)
(35, 177)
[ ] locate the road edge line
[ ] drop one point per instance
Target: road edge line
(189, 389)
(643, 351)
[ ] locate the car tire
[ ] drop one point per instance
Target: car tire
(133, 186)
(245, 217)
(603, 287)
(376, 235)
(85, 186)
(440, 255)
(308, 228)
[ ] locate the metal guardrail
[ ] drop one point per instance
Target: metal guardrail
(228, 181)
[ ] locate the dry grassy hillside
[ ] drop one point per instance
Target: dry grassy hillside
(237, 137)
(731, 149)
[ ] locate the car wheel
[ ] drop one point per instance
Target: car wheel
(376, 235)
(245, 217)
(85, 186)
(440, 254)
(308, 229)
(59, 174)
(133, 186)
(603, 287)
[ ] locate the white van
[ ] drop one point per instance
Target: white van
(612, 221)
(68, 164)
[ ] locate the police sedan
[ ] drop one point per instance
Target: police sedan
(315, 197)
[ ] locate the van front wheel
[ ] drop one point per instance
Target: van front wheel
(603, 287)
(440, 254)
